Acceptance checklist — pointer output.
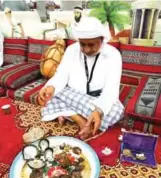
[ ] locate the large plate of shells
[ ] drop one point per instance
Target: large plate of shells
(56, 157)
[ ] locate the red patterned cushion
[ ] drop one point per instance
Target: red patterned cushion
(126, 93)
(144, 107)
(15, 75)
(36, 48)
(140, 61)
(15, 50)
(27, 93)
(2, 91)
(129, 80)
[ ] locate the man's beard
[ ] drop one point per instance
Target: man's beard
(77, 19)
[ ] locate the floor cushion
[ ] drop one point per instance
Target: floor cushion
(2, 91)
(15, 75)
(143, 109)
(27, 93)
(139, 61)
(36, 48)
(15, 50)
(126, 93)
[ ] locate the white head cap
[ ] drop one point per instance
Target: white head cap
(6, 10)
(91, 27)
(78, 9)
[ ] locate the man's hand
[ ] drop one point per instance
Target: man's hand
(45, 95)
(94, 118)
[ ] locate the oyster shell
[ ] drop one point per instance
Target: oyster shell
(30, 152)
(43, 144)
(48, 154)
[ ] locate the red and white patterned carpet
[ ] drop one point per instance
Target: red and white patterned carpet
(25, 116)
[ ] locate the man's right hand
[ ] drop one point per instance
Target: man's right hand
(45, 95)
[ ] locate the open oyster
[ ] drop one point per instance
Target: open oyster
(59, 161)
(43, 144)
(48, 154)
(30, 152)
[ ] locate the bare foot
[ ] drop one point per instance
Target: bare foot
(86, 132)
(61, 120)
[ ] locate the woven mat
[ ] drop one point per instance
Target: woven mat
(28, 116)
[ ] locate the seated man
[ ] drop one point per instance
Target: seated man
(86, 84)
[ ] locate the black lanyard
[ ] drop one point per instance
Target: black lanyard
(89, 78)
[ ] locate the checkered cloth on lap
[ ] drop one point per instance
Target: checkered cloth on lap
(80, 103)
(116, 113)
(69, 102)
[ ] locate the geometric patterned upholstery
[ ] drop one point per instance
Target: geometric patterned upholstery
(15, 50)
(139, 61)
(16, 75)
(27, 93)
(36, 48)
(145, 106)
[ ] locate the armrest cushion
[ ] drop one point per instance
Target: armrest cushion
(15, 75)
(15, 50)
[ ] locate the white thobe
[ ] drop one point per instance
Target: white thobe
(106, 75)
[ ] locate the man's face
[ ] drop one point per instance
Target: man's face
(77, 16)
(90, 47)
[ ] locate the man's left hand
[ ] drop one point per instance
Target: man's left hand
(94, 118)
